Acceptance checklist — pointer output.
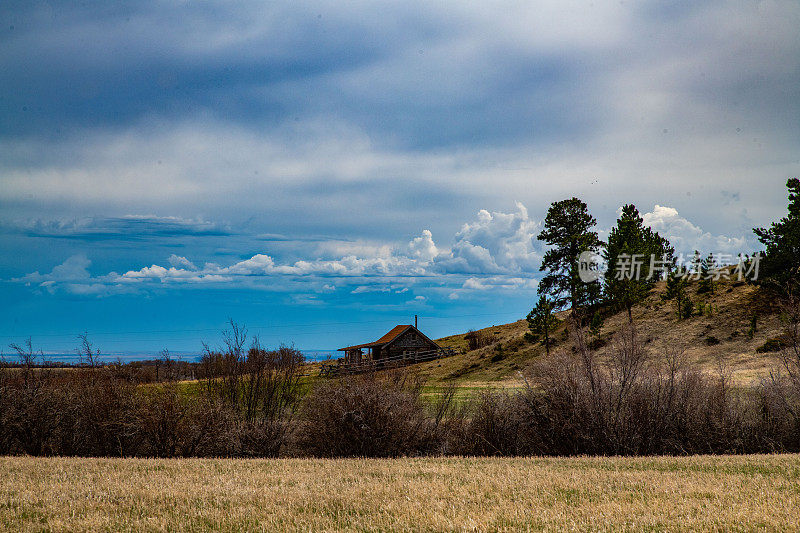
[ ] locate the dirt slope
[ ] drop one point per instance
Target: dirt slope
(721, 333)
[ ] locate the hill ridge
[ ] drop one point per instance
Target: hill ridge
(720, 334)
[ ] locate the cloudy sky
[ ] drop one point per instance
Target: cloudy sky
(323, 171)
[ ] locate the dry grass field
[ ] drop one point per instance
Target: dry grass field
(721, 493)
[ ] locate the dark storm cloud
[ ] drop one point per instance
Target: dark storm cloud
(394, 71)
(127, 228)
(307, 117)
(67, 65)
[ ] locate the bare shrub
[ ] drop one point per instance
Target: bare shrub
(789, 358)
(48, 411)
(478, 339)
(30, 410)
(264, 386)
(629, 404)
(271, 383)
(5, 392)
(492, 427)
(169, 424)
(160, 421)
(365, 416)
(780, 391)
(97, 407)
(101, 407)
(261, 438)
(780, 413)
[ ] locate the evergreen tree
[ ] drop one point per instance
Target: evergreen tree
(676, 290)
(631, 245)
(753, 324)
(596, 324)
(542, 322)
(780, 267)
(568, 231)
(706, 281)
(688, 307)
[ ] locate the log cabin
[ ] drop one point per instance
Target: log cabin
(401, 340)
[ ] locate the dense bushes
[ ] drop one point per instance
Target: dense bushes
(89, 412)
(249, 403)
(577, 405)
(478, 339)
(243, 408)
(262, 386)
(631, 404)
(368, 415)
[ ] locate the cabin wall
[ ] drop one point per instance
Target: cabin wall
(409, 342)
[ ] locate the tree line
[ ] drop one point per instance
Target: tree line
(569, 230)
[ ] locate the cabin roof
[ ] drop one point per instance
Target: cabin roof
(393, 333)
(386, 339)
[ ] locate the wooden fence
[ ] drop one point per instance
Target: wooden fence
(395, 361)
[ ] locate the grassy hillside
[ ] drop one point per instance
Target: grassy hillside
(720, 334)
(721, 493)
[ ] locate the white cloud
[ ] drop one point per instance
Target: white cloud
(495, 243)
(499, 282)
(122, 227)
(493, 252)
(367, 288)
(360, 248)
(179, 261)
(73, 276)
(686, 237)
(417, 300)
(423, 248)
(74, 268)
(475, 284)
(258, 264)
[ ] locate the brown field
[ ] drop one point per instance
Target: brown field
(723, 493)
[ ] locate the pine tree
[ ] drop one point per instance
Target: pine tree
(753, 324)
(780, 267)
(596, 324)
(676, 290)
(688, 307)
(568, 231)
(632, 239)
(542, 322)
(706, 284)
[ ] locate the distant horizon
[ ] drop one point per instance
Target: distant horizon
(368, 330)
(136, 356)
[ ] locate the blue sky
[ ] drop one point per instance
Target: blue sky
(322, 171)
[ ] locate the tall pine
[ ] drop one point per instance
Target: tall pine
(542, 322)
(780, 267)
(631, 245)
(706, 284)
(568, 231)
